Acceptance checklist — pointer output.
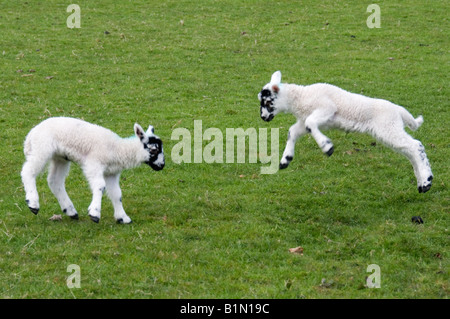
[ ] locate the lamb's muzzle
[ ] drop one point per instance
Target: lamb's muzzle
(155, 149)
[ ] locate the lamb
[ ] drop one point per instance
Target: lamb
(325, 106)
(101, 153)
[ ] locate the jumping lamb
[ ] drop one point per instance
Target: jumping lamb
(321, 106)
(101, 153)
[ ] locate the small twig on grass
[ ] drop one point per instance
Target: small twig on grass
(29, 244)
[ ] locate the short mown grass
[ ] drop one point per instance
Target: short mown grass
(224, 230)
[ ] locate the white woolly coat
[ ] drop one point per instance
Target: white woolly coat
(82, 142)
(353, 112)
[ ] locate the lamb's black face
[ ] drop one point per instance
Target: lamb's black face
(267, 111)
(155, 149)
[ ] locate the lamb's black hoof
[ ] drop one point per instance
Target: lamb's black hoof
(95, 219)
(75, 217)
(424, 189)
(330, 151)
(283, 166)
(34, 210)
(120, 221)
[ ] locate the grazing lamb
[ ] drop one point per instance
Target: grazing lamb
(324, 106)
(101, 153)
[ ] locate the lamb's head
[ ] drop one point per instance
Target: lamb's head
(268, 96)
(152, 145)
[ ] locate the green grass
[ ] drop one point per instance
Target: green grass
(224, 230)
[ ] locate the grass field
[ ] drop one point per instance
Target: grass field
(224, 230)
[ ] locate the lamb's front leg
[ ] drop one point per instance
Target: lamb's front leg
(115, 194)
(94, 175)
(295, 132)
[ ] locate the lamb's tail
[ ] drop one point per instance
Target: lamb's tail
(27, 144)
(410, 121)
(27, 147)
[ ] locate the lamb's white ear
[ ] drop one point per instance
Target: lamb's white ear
(276, 78)
(139, 131)
(150, 130)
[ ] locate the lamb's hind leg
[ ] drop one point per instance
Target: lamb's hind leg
(30, 170)
(313, 122)
(425, 170)
(57, 173)
(115, 194)
(413, 149)
(94, 175)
